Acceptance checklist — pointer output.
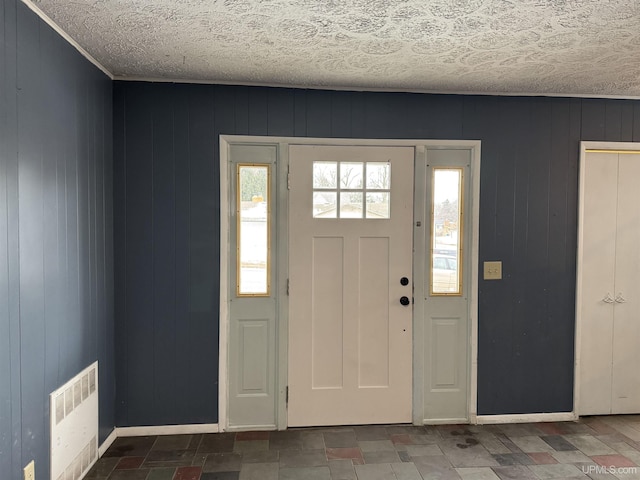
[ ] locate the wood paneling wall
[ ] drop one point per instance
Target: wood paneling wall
(56, 232)
(167, 227)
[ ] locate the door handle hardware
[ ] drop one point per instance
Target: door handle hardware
(404, 301)
(608, 299)
(620, 298)
(404, 281)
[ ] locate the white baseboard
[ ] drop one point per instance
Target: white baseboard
(252, 428)
(527, 418)
(155, 430)
(446, 421)
(167, 430)
(108, 442)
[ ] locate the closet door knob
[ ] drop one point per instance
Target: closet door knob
(620, 298)
(608, 299)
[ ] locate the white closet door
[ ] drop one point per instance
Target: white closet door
(626, 329)
(596, 281)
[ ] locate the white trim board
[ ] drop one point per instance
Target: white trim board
(108, 442)
(118, 432)
(526, 418)
(351, 88)
(167, 430)
(46, 19)
(223, 323)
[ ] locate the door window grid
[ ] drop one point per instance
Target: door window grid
(253, 209)
(351, 189)
(446, 232)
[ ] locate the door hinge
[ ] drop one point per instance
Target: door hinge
(287, 287)
(286, 395)
(288, 179)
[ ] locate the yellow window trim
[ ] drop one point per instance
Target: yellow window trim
(239, 167)
(459, 262)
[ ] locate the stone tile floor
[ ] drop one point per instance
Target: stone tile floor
(594, 447)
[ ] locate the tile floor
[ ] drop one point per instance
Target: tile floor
(594, 447)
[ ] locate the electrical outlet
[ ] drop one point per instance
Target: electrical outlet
(30, 471)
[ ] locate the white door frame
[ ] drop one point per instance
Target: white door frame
(586, 147)
(281, 264)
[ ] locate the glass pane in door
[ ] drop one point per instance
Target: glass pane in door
(446, 225)
(253, 216)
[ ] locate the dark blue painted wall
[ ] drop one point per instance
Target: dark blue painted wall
(167, 228)
(56, 232)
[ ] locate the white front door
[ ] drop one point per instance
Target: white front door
(350, 285)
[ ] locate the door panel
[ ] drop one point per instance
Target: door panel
(625, 396)
(447, 285)
(350, 345)
(597, 280)
(327, 319)
(252, 303)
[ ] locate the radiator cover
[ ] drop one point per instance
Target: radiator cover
(74, 426)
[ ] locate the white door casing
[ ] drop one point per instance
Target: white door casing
(419, 359)
(350, 339)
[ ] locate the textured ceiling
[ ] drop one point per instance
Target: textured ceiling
(565, 47)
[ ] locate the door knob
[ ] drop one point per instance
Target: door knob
(404, 281)
(620, 298)
(404, 301)
(608, 299)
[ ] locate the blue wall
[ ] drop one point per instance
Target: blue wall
(56, 233)
(166, 156)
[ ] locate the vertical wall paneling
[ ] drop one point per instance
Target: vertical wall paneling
(536, 329)
(204, 247)
(120, 252)
(626, 121)
(341, 114)
(318, 113)
(280, 111)
(560, 267)
(242, 110)
(9, 367)
(299, 113)
(258, 112)
(528, 220)
(55, 308)
(182, 234)
(594, 119)
(499, 236)
(164, 253)
(106, 330)
(613, 121)
(636, 122)
(358, 129)
(31, 232)
(140, 251)
(225, 119)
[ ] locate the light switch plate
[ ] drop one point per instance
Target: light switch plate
(30, 471)
(492, 270)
